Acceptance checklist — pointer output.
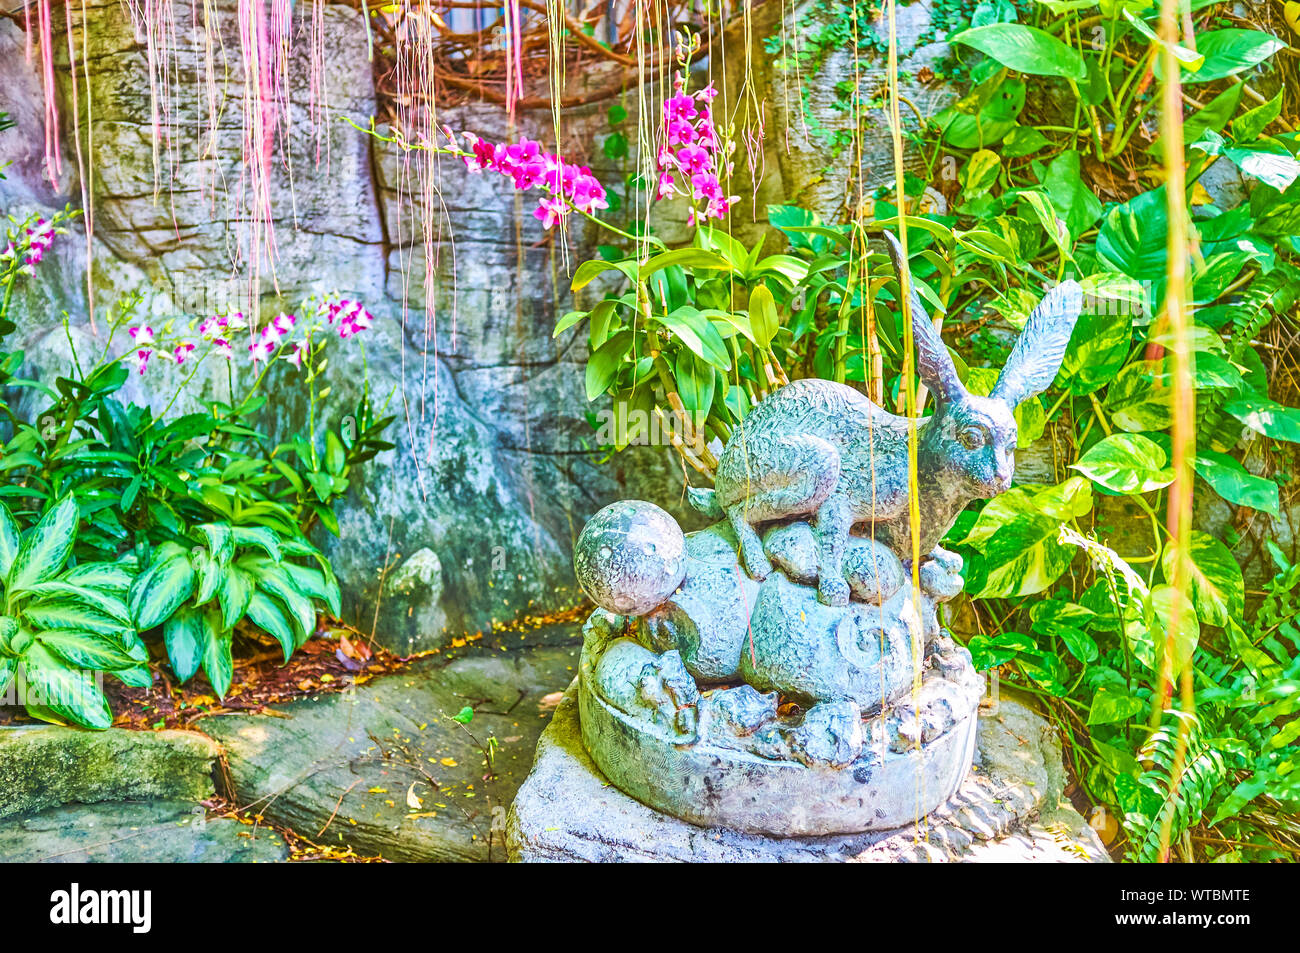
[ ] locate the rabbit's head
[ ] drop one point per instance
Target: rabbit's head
(970, 441)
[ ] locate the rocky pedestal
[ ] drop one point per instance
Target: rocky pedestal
(1009, 808)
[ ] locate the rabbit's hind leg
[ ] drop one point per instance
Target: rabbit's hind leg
(834, 520)
(799, 472)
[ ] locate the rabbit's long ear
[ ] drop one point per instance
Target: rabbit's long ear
(1037, 355)
(933, 362)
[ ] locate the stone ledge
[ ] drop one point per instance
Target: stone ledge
(46, 765)
(1009, 809)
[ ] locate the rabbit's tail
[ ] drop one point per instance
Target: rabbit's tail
(705, 501)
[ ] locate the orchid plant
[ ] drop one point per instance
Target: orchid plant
(201, 521)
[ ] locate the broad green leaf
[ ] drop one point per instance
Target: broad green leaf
(110, 577)
(260, 536)
(1228, 52)
(87, 650)
(161, 589)
(102, 601)
(1188, 633)
(603, 365)
(1271, 166)
(1131, 241)
(992, 120)
(1137, 402)
(44, 552)
(1126, 463)
(1023, 557)
(9, 541)
(63, 614)
(588, 271)
(207, 575)
(696, 331)
(1265, 416)
(272, 577)
(1074, 201)
(1025, 49)
(696, 381)
(233, 593)
(568, 321)
(1110, 705)
(1248, 126)
(269, 614)
(1234, 483)
(1098, 347)
(70, 693)
(186, 636)
(1217, 589)
(314, 583)
(218, 666)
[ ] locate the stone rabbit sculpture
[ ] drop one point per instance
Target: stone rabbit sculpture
(820, 448)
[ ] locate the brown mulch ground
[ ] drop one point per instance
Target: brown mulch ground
(337, 659)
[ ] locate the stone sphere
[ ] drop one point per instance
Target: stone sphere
(630, 557)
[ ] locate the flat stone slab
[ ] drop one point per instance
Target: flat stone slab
(385, 770)
(1009, 809)
(44, 766)
(156, 832)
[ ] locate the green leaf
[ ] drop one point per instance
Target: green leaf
(1131, 240)
(464, 716)
(109, 577)
(161, 589)
(1137, 402)
(269, 614)
(87, 650)
(234, 591)
(44, 552)
(1126, 463)
(696, 382)
(1098, 347)
(1074, 202)
(260, 536)
(1025, 49)
(1230, 480)
(588, 271)
(69, 693)
(1228, 52)
(218, 666)
(314, 583)
(220, 538)
(104, 602)
(603, 365)
(1023, 557)
(74, 615)
(1248, 126)
(1188, 634)
(763, 320)
(1217, 589)
(568, 321)
(695, 330)
(186, 636)
(336, 457)
(1110, 705)
(272, 577)
(1265, 416)
(9, 541)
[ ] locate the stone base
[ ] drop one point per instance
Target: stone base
(1009, 809)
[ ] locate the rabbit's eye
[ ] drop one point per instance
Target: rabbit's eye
(970, 438)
